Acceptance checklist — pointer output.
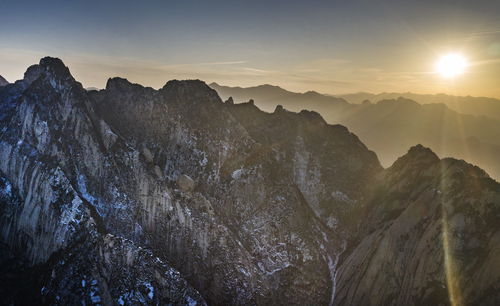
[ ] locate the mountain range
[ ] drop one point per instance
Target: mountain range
(131, 195)
(479, 106)
(459, 127)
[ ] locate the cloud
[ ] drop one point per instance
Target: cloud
(493, 32)
(255, 71)
(486, 62)
(321, 64)
(486, 34)
(222, 63)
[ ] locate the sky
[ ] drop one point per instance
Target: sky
(332, 47)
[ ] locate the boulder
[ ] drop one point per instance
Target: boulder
(279, 109)
(158, 171)
(185, 183)
(148, 156)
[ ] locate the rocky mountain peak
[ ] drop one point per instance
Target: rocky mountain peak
(279, 108)
(3, 81)
(420, 152)
(229, 101)
(183, 86)
(32, 73)
(55, 66)
(118, 83)
(312, 116)
(196, 91)
(417, 155)
(52, 68)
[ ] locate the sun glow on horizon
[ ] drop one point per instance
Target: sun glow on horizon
(451, 65)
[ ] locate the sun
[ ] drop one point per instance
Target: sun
(451, 65)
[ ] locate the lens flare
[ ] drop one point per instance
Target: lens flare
(450, 267)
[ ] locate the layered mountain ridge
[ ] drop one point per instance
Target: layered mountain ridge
(131, 195)
(478, 106)
(460, 127)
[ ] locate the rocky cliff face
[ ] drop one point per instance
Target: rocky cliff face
(431, 237)
(135, 195)
(52, 221)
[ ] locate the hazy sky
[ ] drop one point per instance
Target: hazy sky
(327, 46)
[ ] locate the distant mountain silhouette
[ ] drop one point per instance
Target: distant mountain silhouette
(390, 126)
(482, 106)
(268, 96)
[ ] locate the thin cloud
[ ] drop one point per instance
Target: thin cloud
(258, 71)
(486, 33)
(477, 35)
(489, 61)
(312, 80)
(176, 66)
(321, 64)
(222, 63)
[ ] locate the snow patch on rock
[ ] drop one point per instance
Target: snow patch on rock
(236, 175)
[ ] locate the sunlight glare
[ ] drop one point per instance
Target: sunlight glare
(451, 65)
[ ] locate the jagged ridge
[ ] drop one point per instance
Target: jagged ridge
(281, 208)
